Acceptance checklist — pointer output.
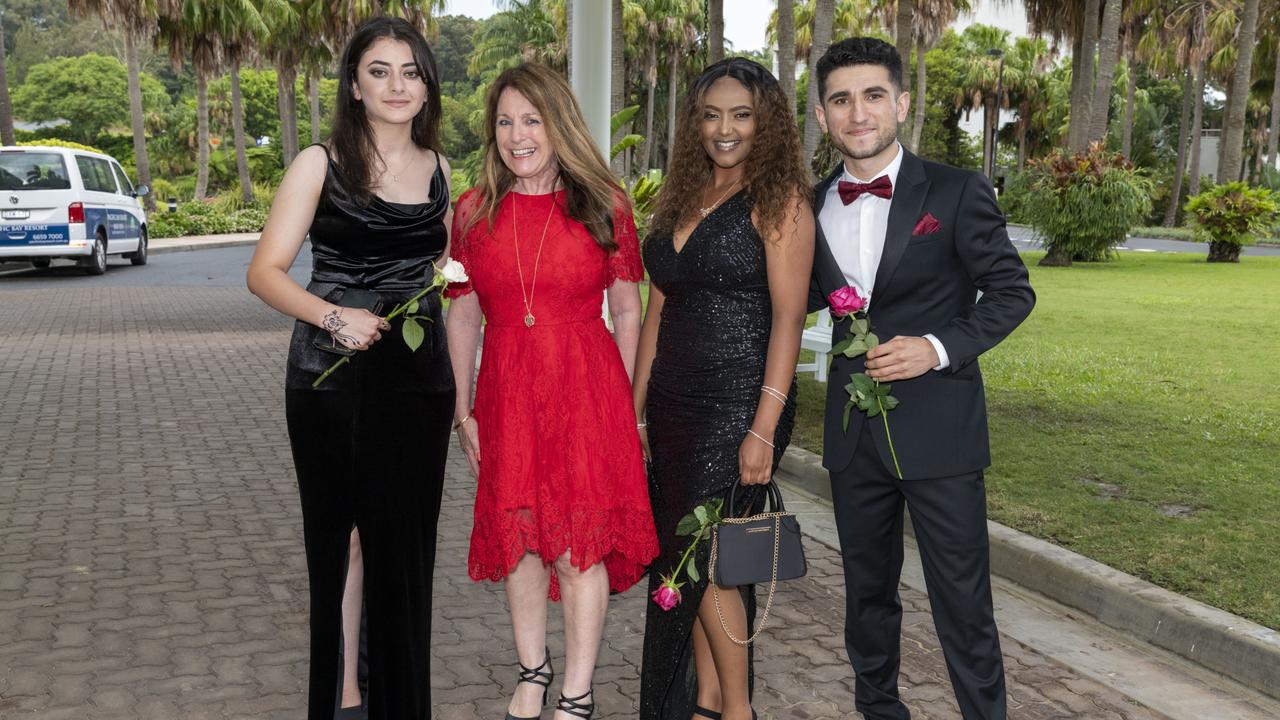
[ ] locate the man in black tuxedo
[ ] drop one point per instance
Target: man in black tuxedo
(924, 239)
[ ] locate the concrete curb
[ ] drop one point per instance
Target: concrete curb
(1228, 644)
(160, 246)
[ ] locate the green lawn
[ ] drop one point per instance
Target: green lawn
(1135, 419)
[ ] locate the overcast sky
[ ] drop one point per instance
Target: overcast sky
(745, 20)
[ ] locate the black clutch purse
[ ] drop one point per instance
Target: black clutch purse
(761, 548)
(351, 298)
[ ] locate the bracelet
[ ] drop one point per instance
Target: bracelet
(761, 438)
(642, 425)
(457, 425)
(774, 393)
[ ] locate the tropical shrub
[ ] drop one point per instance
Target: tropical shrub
(1084, 204)
(205, 218)
(1013, 201)
(1230, 216)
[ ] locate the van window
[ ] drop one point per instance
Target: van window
(23, 170)
(96, 174)
(126, 187)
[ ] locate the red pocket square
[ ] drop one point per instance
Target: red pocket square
(926, 225)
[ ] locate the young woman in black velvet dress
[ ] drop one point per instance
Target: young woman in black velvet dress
(370, 442)
(729, 256)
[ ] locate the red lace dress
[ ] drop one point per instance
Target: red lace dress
(560, 462)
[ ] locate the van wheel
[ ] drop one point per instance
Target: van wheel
(98, 261)
(40, 263)
(139, 256)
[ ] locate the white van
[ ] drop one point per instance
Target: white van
(58, 202)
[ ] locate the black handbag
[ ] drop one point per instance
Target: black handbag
(761, 548)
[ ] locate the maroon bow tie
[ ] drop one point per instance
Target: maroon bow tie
(850, 191)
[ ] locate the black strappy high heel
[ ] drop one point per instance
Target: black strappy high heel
(709, 714)
(575, 707)
(536, 676)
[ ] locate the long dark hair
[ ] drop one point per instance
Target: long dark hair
(774, 173)
(351, 140)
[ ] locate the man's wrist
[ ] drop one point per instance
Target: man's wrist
(944, 361)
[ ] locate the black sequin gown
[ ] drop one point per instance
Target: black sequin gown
(369, 446)
(704, 387)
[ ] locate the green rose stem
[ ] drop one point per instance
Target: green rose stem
(696, 539)
(436, 282)
(888, 436)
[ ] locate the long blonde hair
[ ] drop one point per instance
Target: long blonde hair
(591, 192)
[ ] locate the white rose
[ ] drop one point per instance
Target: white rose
(453, 271)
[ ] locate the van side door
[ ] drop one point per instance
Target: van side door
(99, 197)
(130, 206)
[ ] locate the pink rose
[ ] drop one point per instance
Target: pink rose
(846, 301)
(667, 596)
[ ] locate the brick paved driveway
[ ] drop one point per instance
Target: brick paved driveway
(150, 540)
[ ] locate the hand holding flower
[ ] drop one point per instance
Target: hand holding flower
(413, 333)
(901, 358)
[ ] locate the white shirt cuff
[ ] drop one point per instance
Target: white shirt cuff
(943, 361)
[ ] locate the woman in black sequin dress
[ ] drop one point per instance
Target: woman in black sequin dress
(369, 444)
(729, 256)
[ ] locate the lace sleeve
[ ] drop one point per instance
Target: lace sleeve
(459, 247)
(625, 263)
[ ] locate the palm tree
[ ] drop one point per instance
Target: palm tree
(137, 20)
(187, 28)
(238, 26)
(1232, 144)
(6, 107)
(786, 43)
(618, 79)
(1131, 86)
(715, 31)
(1026, 77)
(681, 32)
(1271, 29)
(823, 19)
(643, 30)
(981, 80)
(524, 30)
(931, 19)
(905, 26)
(1108, 55)
(1083, 59)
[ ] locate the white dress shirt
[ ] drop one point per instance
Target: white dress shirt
(856, 233)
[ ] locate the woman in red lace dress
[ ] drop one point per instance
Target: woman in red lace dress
(562, 503)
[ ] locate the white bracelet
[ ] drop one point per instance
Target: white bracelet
(774, 393)
(761, 438)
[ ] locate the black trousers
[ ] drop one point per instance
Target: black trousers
(949, 516)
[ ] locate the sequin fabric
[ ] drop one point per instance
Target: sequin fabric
(703, 392)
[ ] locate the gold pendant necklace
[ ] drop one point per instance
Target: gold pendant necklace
(704, 212)
(528, 298)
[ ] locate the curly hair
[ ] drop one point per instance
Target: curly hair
(774, 174)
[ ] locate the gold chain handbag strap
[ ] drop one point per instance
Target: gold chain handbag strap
(773, 583)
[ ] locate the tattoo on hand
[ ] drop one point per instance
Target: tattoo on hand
(334, 323)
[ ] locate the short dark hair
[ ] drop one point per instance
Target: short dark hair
(859, 51)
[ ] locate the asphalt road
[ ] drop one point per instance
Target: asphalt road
(219, 267)
(1026, 239)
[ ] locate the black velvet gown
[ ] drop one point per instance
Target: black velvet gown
(369, 446)
(704, 387)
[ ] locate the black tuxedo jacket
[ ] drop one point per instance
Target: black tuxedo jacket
(929, 284)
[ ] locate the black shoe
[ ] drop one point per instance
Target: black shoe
(709, 714)
(575, 707)
(536, 676)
